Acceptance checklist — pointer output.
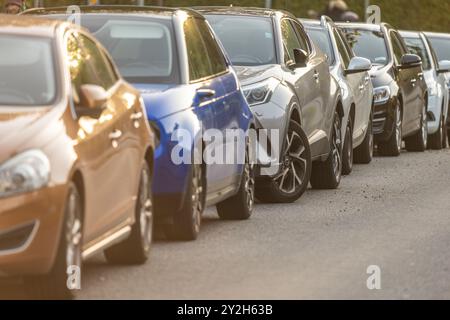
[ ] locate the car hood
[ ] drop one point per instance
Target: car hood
(27, 128)
(250, 75)
(163, 100)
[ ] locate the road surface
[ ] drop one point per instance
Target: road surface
(394, 214)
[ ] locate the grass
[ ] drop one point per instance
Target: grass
(429, 15)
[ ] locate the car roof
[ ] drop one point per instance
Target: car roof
(244, 11)
(117, 9)
(409, 34)
(438, 35)
(11, 24)
(360, 25)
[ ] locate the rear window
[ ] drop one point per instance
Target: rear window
(27, 71)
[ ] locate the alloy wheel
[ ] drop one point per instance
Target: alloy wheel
(425, 127)
(73, 231)
(146, 210)
(398, 127)
(294, 165)
(336, 147)
(249, 180)
(197, 194)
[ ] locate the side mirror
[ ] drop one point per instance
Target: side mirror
(358, 64)
(301, 58)
(92, 101)
(410, 61)
(444, 66)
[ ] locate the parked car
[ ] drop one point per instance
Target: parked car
(352, 74)
(173, 58)
(400, 91)
(440, 42)
(288, 85)
(68, 124)
(438, 92)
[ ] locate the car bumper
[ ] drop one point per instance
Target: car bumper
(30, 227)
(384, 120)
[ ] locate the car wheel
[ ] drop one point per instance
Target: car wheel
(436, 139)
(364, 153)
(347, 152)
(136, 249)
(295, 172)
(187, 222)
(445, 136)
(327, 175)
(393, 146)
(419, 141)
(240, 206)
(69, 256)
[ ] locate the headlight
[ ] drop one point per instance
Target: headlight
(381, 94)
(260, 92)
(25, 172)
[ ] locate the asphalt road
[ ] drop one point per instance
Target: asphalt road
(394, 213)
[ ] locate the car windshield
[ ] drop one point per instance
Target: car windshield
(368, 44)
(417, 46)
(142, 48)
(322, 39)
(441, 46)
(27, 73)
(249, 41)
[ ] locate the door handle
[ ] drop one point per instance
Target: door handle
(205, 93)
(420, 76)
(413, 82)
(136, 117)
(316, 76)
(114, 137)
(366, 80)
(361, 87)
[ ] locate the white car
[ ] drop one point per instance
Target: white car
(440, 42)
(351, 72)
(438, 93)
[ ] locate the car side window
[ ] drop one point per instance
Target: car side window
(342, 49)
(215, 54)
(88, 65)
(290, 40)
(398, 48)
(302, 36)
(201, 59)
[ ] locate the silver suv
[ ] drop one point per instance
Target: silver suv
(353, 77)
(288, 85)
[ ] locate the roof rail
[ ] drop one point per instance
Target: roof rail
(324, 20)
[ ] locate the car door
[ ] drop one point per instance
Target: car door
(304, 80)
(407, 81)
(359, 82)
(99, 140)
(208, 105)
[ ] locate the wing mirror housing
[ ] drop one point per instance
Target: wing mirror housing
(410, 61)
(444, 66)
(93, 100)
(358, 65)
(301, 59)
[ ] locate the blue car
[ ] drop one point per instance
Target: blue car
(190, 91)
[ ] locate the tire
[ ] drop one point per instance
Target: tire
(135, 250)
(445, 137)
(393, 147)
(55, 284)
(240, 206)
(364, 153)
(418, 142)
(347, 151)
(297, 155)
(328, 174)
(187, 222)
(436, 140)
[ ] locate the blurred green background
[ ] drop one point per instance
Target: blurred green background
(432, 15)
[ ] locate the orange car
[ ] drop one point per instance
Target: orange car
(75, 156)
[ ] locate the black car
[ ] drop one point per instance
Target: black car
(400, 91)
